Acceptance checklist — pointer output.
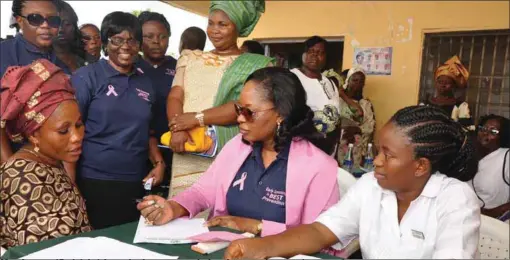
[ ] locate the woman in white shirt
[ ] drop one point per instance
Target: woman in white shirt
(415, 205)
(322, 94)
(492, 182)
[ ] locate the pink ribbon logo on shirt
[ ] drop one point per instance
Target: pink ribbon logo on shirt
(241, 180)
(170, 72)
(111, 91)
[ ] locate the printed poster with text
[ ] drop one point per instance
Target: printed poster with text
(375, 61)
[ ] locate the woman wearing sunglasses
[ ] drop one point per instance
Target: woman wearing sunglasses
(322, 94)
(270, 177)
(116, 100)
(39, 23)
(492, 182)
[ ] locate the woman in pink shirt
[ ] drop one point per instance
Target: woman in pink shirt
(270, 177)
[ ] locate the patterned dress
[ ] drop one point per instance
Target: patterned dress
(356, 130)
(200, 74)
(38, 202)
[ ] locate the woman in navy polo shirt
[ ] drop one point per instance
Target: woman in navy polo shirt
(39, 22)
(116, 101)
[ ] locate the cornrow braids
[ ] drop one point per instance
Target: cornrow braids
(438, 138)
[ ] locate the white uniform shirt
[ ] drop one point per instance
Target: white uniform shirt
(443, 222)
(489, 183)
(326, 109)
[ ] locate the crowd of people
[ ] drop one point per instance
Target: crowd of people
(85, 108)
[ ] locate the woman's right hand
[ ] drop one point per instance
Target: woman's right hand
(250, 248)
(156, 210)
(178, 140)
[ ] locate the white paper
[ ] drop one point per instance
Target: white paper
(95, 248)
(176, 231)
(297, 257)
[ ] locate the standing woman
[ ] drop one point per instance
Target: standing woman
(357, 115)
(68, 45)
(322, 93)
(449, 78)
(92, 38)
(161, 69)
(39, 23)
(206, 85)
(116, 101)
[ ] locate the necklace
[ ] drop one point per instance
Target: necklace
(38, 156)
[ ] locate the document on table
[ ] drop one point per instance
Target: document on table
(95, 248)
(177, 231)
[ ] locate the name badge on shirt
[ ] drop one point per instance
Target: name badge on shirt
(417, 234)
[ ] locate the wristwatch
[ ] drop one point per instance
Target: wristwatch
(200, 117)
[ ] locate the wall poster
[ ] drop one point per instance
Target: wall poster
(375, 61)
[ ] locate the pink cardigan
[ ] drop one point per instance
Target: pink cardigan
(311, 184)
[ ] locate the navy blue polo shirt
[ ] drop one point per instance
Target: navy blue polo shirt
(162, 77)
(19, 52)
(257, 192)
(117, 111)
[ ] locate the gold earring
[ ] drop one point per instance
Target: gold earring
(36, 148)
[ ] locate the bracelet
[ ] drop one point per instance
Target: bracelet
(156, 163)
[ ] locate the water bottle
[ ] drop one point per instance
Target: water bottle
(368, 165)
(348, 162)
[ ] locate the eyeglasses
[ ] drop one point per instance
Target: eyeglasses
(38, 20)
(153, 37)
(88, 38)
(491, 131)
(250, 115)
(119, 41)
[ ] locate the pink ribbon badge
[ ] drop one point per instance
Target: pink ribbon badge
(240, 182)
(111, 91)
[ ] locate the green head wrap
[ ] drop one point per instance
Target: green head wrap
(244, 14)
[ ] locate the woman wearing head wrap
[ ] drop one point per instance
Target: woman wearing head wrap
(355, 112)
(207, 83)
(37, 103)
(450, 77)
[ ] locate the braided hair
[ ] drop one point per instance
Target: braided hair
(17, 7)
(438, 138)
(283, 88)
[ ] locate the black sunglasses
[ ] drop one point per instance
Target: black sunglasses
(488, 130)
(38, 20)
(248, 114)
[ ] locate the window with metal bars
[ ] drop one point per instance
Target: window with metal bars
(486, 54)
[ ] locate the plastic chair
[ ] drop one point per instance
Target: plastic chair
(345, 181)
(494, 239)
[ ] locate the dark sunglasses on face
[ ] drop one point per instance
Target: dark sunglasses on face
(488, 130)
(118, 41)
(247, 113)
(38, 20)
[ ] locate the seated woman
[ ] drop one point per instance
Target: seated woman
(415, 204)
(355, 111)
(38, 200)
(492, 182)
(269, 177)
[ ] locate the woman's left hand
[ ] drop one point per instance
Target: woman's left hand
(237, 223)
(157, 173)
(183, 122)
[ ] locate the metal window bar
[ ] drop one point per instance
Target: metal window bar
(479, 104)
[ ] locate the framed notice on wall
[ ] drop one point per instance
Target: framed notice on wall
(375, 61)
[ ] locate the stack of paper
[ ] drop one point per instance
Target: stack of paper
(95, 248)
(177, 231)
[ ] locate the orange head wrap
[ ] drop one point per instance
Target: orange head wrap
(454, 69)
